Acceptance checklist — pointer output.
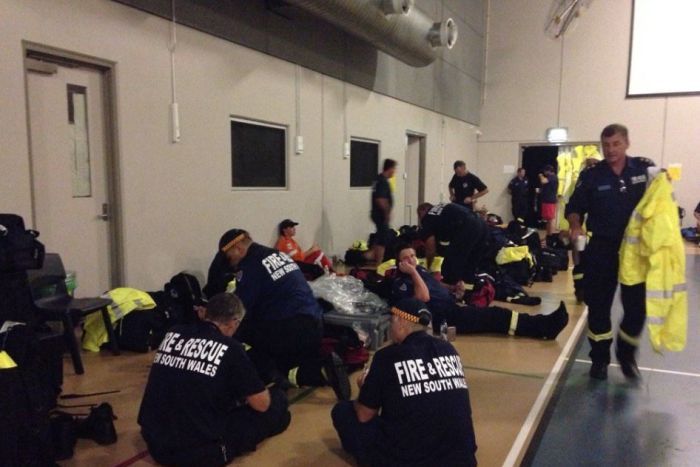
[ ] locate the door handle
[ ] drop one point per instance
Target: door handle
(105, 212)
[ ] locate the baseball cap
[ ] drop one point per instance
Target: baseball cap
(287, 223)
(412, 310)
(230, 238)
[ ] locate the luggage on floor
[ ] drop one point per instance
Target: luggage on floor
(183, 292)
(27, 392)
(375, 327)
(19, 248)
(555, 258)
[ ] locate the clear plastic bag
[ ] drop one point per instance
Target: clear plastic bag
(348, 295)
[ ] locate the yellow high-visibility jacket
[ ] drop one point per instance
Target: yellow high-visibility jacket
(512, 254)
(124, 301)
(652, 252)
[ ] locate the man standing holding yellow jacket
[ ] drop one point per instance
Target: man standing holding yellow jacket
(607, 194)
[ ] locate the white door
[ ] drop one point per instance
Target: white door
(69, 183)
(413, 177)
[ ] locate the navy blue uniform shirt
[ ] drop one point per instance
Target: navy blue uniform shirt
(609, 199)
(445, 221)
(272, 287)
(440, 297)
(518, 188)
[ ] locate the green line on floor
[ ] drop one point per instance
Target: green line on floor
(501, 372)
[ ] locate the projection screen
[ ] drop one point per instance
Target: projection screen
(664, 49)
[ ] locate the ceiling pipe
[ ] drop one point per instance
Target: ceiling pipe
(393, 26)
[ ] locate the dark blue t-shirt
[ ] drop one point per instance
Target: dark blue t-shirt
(466, 186)
(198, 376)
(272, 287)
(425, 416)
(549, 189)
(381, 189)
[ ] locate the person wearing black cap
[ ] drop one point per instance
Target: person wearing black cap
(283, 325)
(461, 233)
(413, 408)
(204, 403)
(313, 256)
(415, 281)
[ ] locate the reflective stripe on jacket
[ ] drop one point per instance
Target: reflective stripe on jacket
(652, 251)
(124, 301)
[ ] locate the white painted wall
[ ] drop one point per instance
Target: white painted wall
(521, 95)
(176, 198)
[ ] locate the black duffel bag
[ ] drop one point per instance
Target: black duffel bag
(19, 248)
(555, 258)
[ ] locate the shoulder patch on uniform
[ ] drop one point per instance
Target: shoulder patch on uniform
(646, 160)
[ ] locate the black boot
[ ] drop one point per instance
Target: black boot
(625, 353)
(99, 425)
(600, 357)
(336, 376)
(577, 272)
(63, 435)
(543, 326)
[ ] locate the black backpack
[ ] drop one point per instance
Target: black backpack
(521, 271)
(26, 396)
(19, 248)
(182, 294)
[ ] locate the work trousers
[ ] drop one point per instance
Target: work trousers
(359, 439)
(381, 236)
(245, 428)
(519, 208)
(472, 320)
(280, 345)
(464, 253)
(600, 282)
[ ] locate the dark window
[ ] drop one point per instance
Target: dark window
(364, 163)
(258, 155)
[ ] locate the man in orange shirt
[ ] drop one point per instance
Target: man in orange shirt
(287, 244)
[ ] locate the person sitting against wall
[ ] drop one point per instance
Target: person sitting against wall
(204, 403)
(414, 281)
(312, 261)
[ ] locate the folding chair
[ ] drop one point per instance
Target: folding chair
(53, 303)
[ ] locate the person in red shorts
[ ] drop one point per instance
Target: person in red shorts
(548, 196)
(287, 244)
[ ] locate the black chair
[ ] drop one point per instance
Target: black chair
(53, 303)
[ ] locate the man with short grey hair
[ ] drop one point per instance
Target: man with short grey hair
(204, 402)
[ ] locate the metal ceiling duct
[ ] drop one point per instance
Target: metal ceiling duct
(393, 26)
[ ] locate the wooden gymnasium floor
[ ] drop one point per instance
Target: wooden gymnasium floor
(511, 381)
